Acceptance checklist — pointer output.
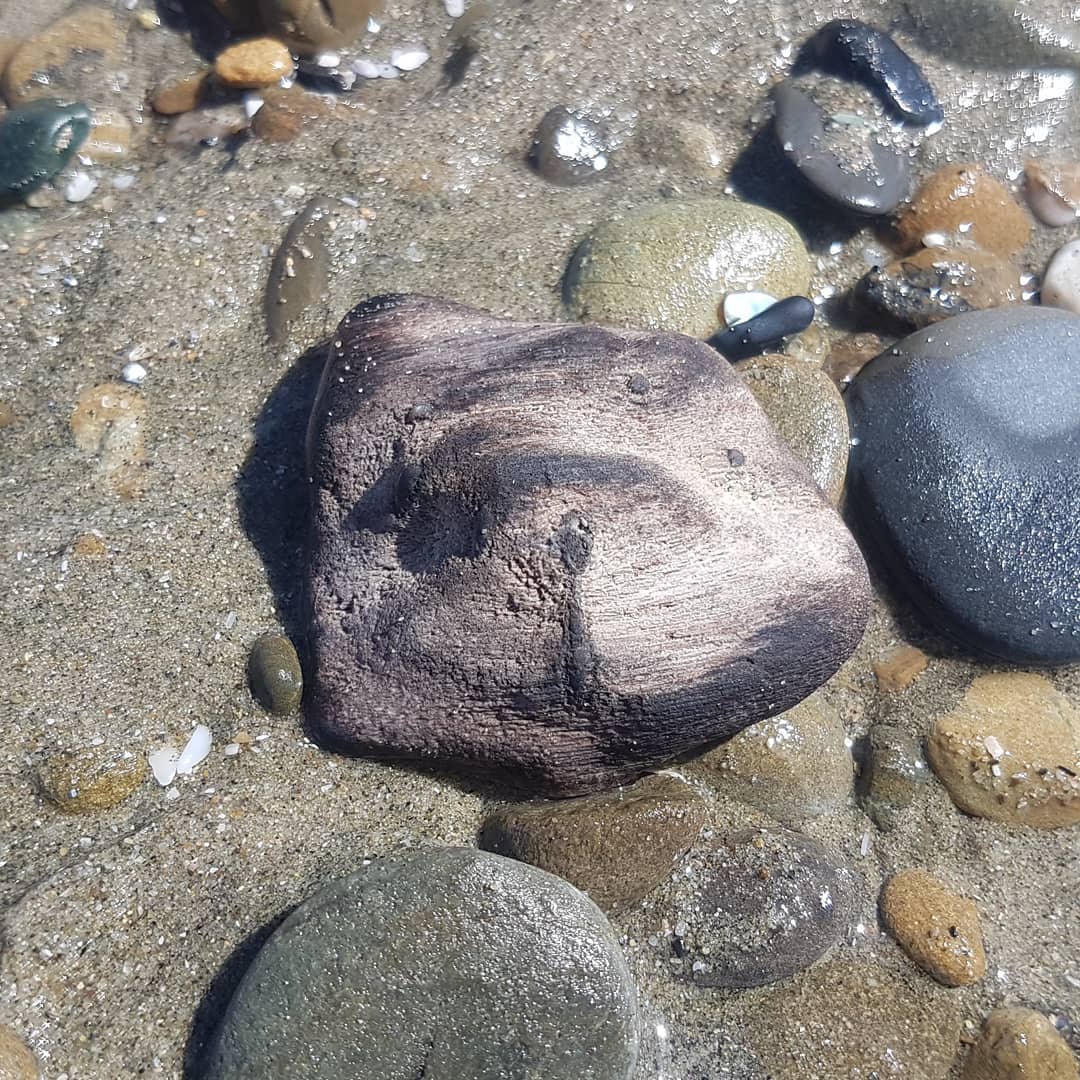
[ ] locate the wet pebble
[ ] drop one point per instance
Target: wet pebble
(108, 423)
(1020, 1044)
(445, 962)
(898, 668)
(248, 65)
(964, 204)
(936, 283)
(1061, 282)
(793, 766)
(768, 328)
(850, 355)
(616, 848)
(668, 265)
(1053, 191)
(1010, 752)
(286, 113)
(569, 149)
(839, 153)
(110, 136)
(36, 141)
(685, 145)
(180, 94)
(304, 24)
(274, 674)
(207, 126)
(90, 778)
(936, 927)
(892, 774)
(16, 1059)
(807, 410)
(751, 908)
(856, 50)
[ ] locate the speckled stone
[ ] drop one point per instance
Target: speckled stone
(16, 1060)
(963, 203)
(893, 772)
(899, 667)
(1020, 1044)
(248, 65)
(90, 778)
(961, 477)
(793, 766)
(616, 848)
(1010, 751)
(669, 265)
(107, 424)
(937, 928)
(805, 406)
(277, 682)
(180, 94)
(751, 908)
(286, 113)
(444, 962)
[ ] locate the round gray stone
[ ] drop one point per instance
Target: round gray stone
(441, 963)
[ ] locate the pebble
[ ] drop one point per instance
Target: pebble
(446, 962)
(90, 778)
(110, 136)
(274, 673)
(79, 187)
(847, 163)
(963, 205)
(805, 407)
(752, 908)
(1061, 282)
(936, 283)
(207, 126)
(853, 49)
(893, 773)
(569, 149)
(793, 766)
(7, 415)
(655, 428)
(306, 26)
(743, 306)
(16, 1060)
(108, 423)
(668, 265)
(1010, 752)
(1020, 1044)
(36, 141)
(180, 94)
(966, 497)
(1053, 191)
(248, 65)
(768, 329)
(686, 145)
(285, 114)
(936, 927)
(850, 355)
(898, 668)
(616, 848)
(409, 59)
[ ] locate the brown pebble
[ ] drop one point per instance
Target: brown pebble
(16, 1060)
(206, 125)
(110, 136)
(285, 113)
(107, 422)
(7, 415)
(1020, 1044)
(964, 204)
(1053, 191)
(850, 355)
(248, 65)
(1010, 752)
(900, 667)
(88, 546)
(936, 927)
(91, 778)
(180, 94)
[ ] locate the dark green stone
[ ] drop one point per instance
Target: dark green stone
(274, 674)
(36, 141)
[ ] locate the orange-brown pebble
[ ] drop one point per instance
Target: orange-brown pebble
(109, 138)
(1020, 1044)
(7, 415)
(849, 356)
(285, 113)
(900, 667)
(936, 927)
(88, 546)
(962, 203)
(16, 1060)
(179, 95)
(248, 65)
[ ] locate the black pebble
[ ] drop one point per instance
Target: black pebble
(753, 337)
(335, 79)
(856, 50)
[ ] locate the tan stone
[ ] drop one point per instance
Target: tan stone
(937, 928)
(250, 64)
(849, 356)
(107, 422)
(963, 203)
(682, 144)
(1053, 191)
(90, 778)
(899, 667)
(88, 546)
(180, 94)
(110, 136)
(1020, 1044)
(286, 113)
(16, 1060)
(1010, 752)
(7, 415)
(73, 51)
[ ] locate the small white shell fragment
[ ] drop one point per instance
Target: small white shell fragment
(124, 182)
(232, 749)
(252, 104)
(994, 748)
(1061, 282)
(454, 8)
(409, 59)
(366, 69)
(172, 793)
(328, 59)
(80, 187)
(373, 25)
(198, 746)
(388, 71)
(740, 307)
(133, 373)
(163, 764)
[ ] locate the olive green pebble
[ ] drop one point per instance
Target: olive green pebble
(36, 141)
(274, 674)
(89, 779)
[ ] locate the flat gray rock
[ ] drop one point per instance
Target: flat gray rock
(441, 963)
(560, 551)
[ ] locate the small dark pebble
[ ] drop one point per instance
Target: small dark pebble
(757, 335)
(858, 51)
(736, 458)
(638, 385)
(333, 79)
(424, 411)
(569, 149)
(274, 673)
(36, 141)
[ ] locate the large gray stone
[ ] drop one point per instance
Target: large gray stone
(441, 963)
